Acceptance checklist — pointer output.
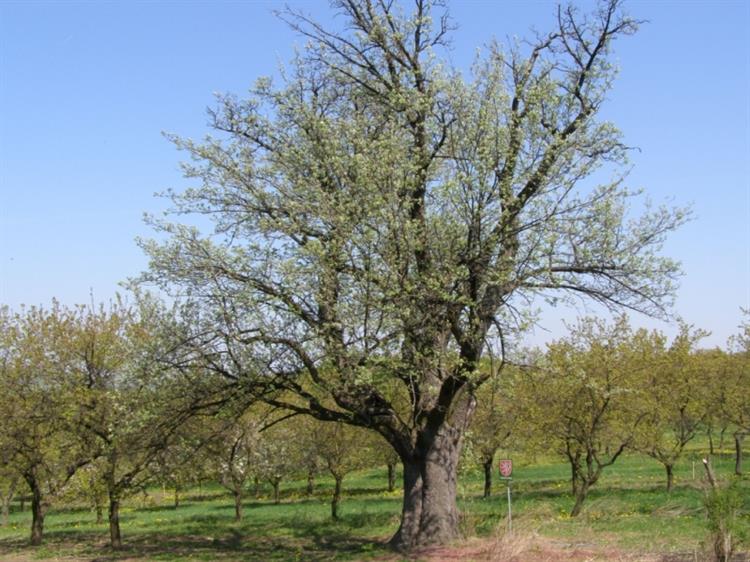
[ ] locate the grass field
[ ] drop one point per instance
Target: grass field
(628, 511)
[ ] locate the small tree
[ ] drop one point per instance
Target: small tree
(581, 397)
(674, 401)
(37, 395)
(493, 422)
(342, 449)
(736, 390)
(235, 452)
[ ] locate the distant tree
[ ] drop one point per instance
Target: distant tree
(342, 449)
(493, 422)
(10, 480)
(674, 400)
(131, 398)
(581, 398)
(36, 393)
(235, 452)
(380, 218)
(735, 400)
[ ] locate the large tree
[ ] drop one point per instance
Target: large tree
(379, 218)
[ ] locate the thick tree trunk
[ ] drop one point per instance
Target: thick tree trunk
(336, 497)
(237, 505)
(670, 476)
(429, 514)
(487, 464)
(738, 453)
(115, 538)
(391, 476)
(310, 482)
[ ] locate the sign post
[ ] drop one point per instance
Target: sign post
(506, 472)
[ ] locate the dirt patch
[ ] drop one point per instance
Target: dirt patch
(533, 548)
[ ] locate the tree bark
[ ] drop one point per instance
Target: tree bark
(429, 513)
(237, 505)
(670, 476)
(37, 508)
(6, 513)
(738, 453)
(99, 514)
(176, 497)
(487, 464)
(115, 537)
(583, 490)
(336, 497)
(391, 476)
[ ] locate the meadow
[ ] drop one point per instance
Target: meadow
(628, 516)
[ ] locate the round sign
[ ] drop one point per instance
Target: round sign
(506, 468)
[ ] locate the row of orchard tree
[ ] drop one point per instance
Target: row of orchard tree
(101, 402)
(606, 389)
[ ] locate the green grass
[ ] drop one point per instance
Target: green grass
(628, 508)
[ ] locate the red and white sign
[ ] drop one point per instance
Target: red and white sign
(506, 468)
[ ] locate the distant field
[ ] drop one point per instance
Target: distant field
(628, 513)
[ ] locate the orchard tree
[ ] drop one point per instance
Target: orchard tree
(582, 397)
(379, 218)
(235, 453)
(493, 421)
(674, 401)
(131, 400)
(735, 400)
(37, 395)
(342, 449)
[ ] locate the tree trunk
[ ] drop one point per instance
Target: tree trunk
(99, 513)
(487, 464)
(583, 490)
(391, 476)
(256, 482)
(275, 482)
(310, 482)
(115, 538)
(336, 497)
(574, 479)
(429, 514)
(237, 505)
(37, 508)
(6, 513)
(176, 497)
(670, 476)
(738, 453)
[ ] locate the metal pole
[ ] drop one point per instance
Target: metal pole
(510, 513)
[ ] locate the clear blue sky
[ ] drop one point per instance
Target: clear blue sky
(87, 88)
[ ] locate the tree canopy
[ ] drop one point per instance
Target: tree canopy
(381, 220)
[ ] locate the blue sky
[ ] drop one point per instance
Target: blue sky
(87, 88)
